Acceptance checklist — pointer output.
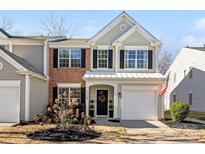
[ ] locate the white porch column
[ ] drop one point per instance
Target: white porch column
(157, 59)
(27, 97)
(87, 93)
(116, 103)
(116, 58)
(10, 47)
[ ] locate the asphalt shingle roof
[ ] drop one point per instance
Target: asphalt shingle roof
(21, 61)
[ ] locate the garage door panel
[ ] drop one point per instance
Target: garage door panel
(138, 105)
(9, 104)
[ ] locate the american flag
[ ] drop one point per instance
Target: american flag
(165, 86)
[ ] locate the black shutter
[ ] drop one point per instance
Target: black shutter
(82, 99)
(110, 58)
(55, 93)
(122, 59)
(55, 58)
(94, 58)
(150, 59)
(83, 58)
(82, 94)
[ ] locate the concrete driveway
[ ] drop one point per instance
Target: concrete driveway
(140, 131)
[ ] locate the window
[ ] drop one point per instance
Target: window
(136, 59)
(190, 98)
(102, 58)
(70, 57)
(174, 97)
(74, 93)
(184, 73)
(190, 73)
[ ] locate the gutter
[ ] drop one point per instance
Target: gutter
(46, 78)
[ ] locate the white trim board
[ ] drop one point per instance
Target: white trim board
(141, 31)
(77, 85)
(10, 83)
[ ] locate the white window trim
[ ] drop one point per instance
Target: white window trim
(73, 85)
(69, 59)
(136, 48)
(102, 47)
(69, 86)
(136, 68)
(104, 68)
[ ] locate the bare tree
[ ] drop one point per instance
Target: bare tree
(165, 60)
(56, 25)
(6, 22)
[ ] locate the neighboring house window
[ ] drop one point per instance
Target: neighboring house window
(190, 98)
(70, 57)
(184, 73)
(74, 93)
(174, 97)
(175, 76)
(102, 58)
(190, 73)
(136, 59)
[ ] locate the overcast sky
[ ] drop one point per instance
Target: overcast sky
(176, 29)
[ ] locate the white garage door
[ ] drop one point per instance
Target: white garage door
(9, 104)
(138, 105)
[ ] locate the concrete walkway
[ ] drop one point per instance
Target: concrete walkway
(7, 124)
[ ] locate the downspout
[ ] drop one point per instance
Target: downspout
(45, 58)
(27, 97)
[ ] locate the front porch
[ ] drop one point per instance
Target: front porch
(102, 100)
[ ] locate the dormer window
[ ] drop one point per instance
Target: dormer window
(136, 59)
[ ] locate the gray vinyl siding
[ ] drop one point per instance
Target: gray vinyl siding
(136, 39)
(38, 97)
(113, 34)
(32, 53)
(9, 73)
(196, 85)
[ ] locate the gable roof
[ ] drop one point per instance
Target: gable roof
(19, 63)
(110, 25)
(117, 20)
(197, 48)
(40, 37)
(154, 41)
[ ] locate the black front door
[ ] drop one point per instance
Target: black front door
(102, 102)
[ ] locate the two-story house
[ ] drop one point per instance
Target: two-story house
(187, 79)
(114, 73)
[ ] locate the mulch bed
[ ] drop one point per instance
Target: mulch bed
(71, 133)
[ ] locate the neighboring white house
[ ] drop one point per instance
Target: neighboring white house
(187, 79)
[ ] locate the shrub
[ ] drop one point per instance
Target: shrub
(167, 115)
(64, 112)
(179, 111)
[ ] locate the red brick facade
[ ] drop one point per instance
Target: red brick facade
(65, 75)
